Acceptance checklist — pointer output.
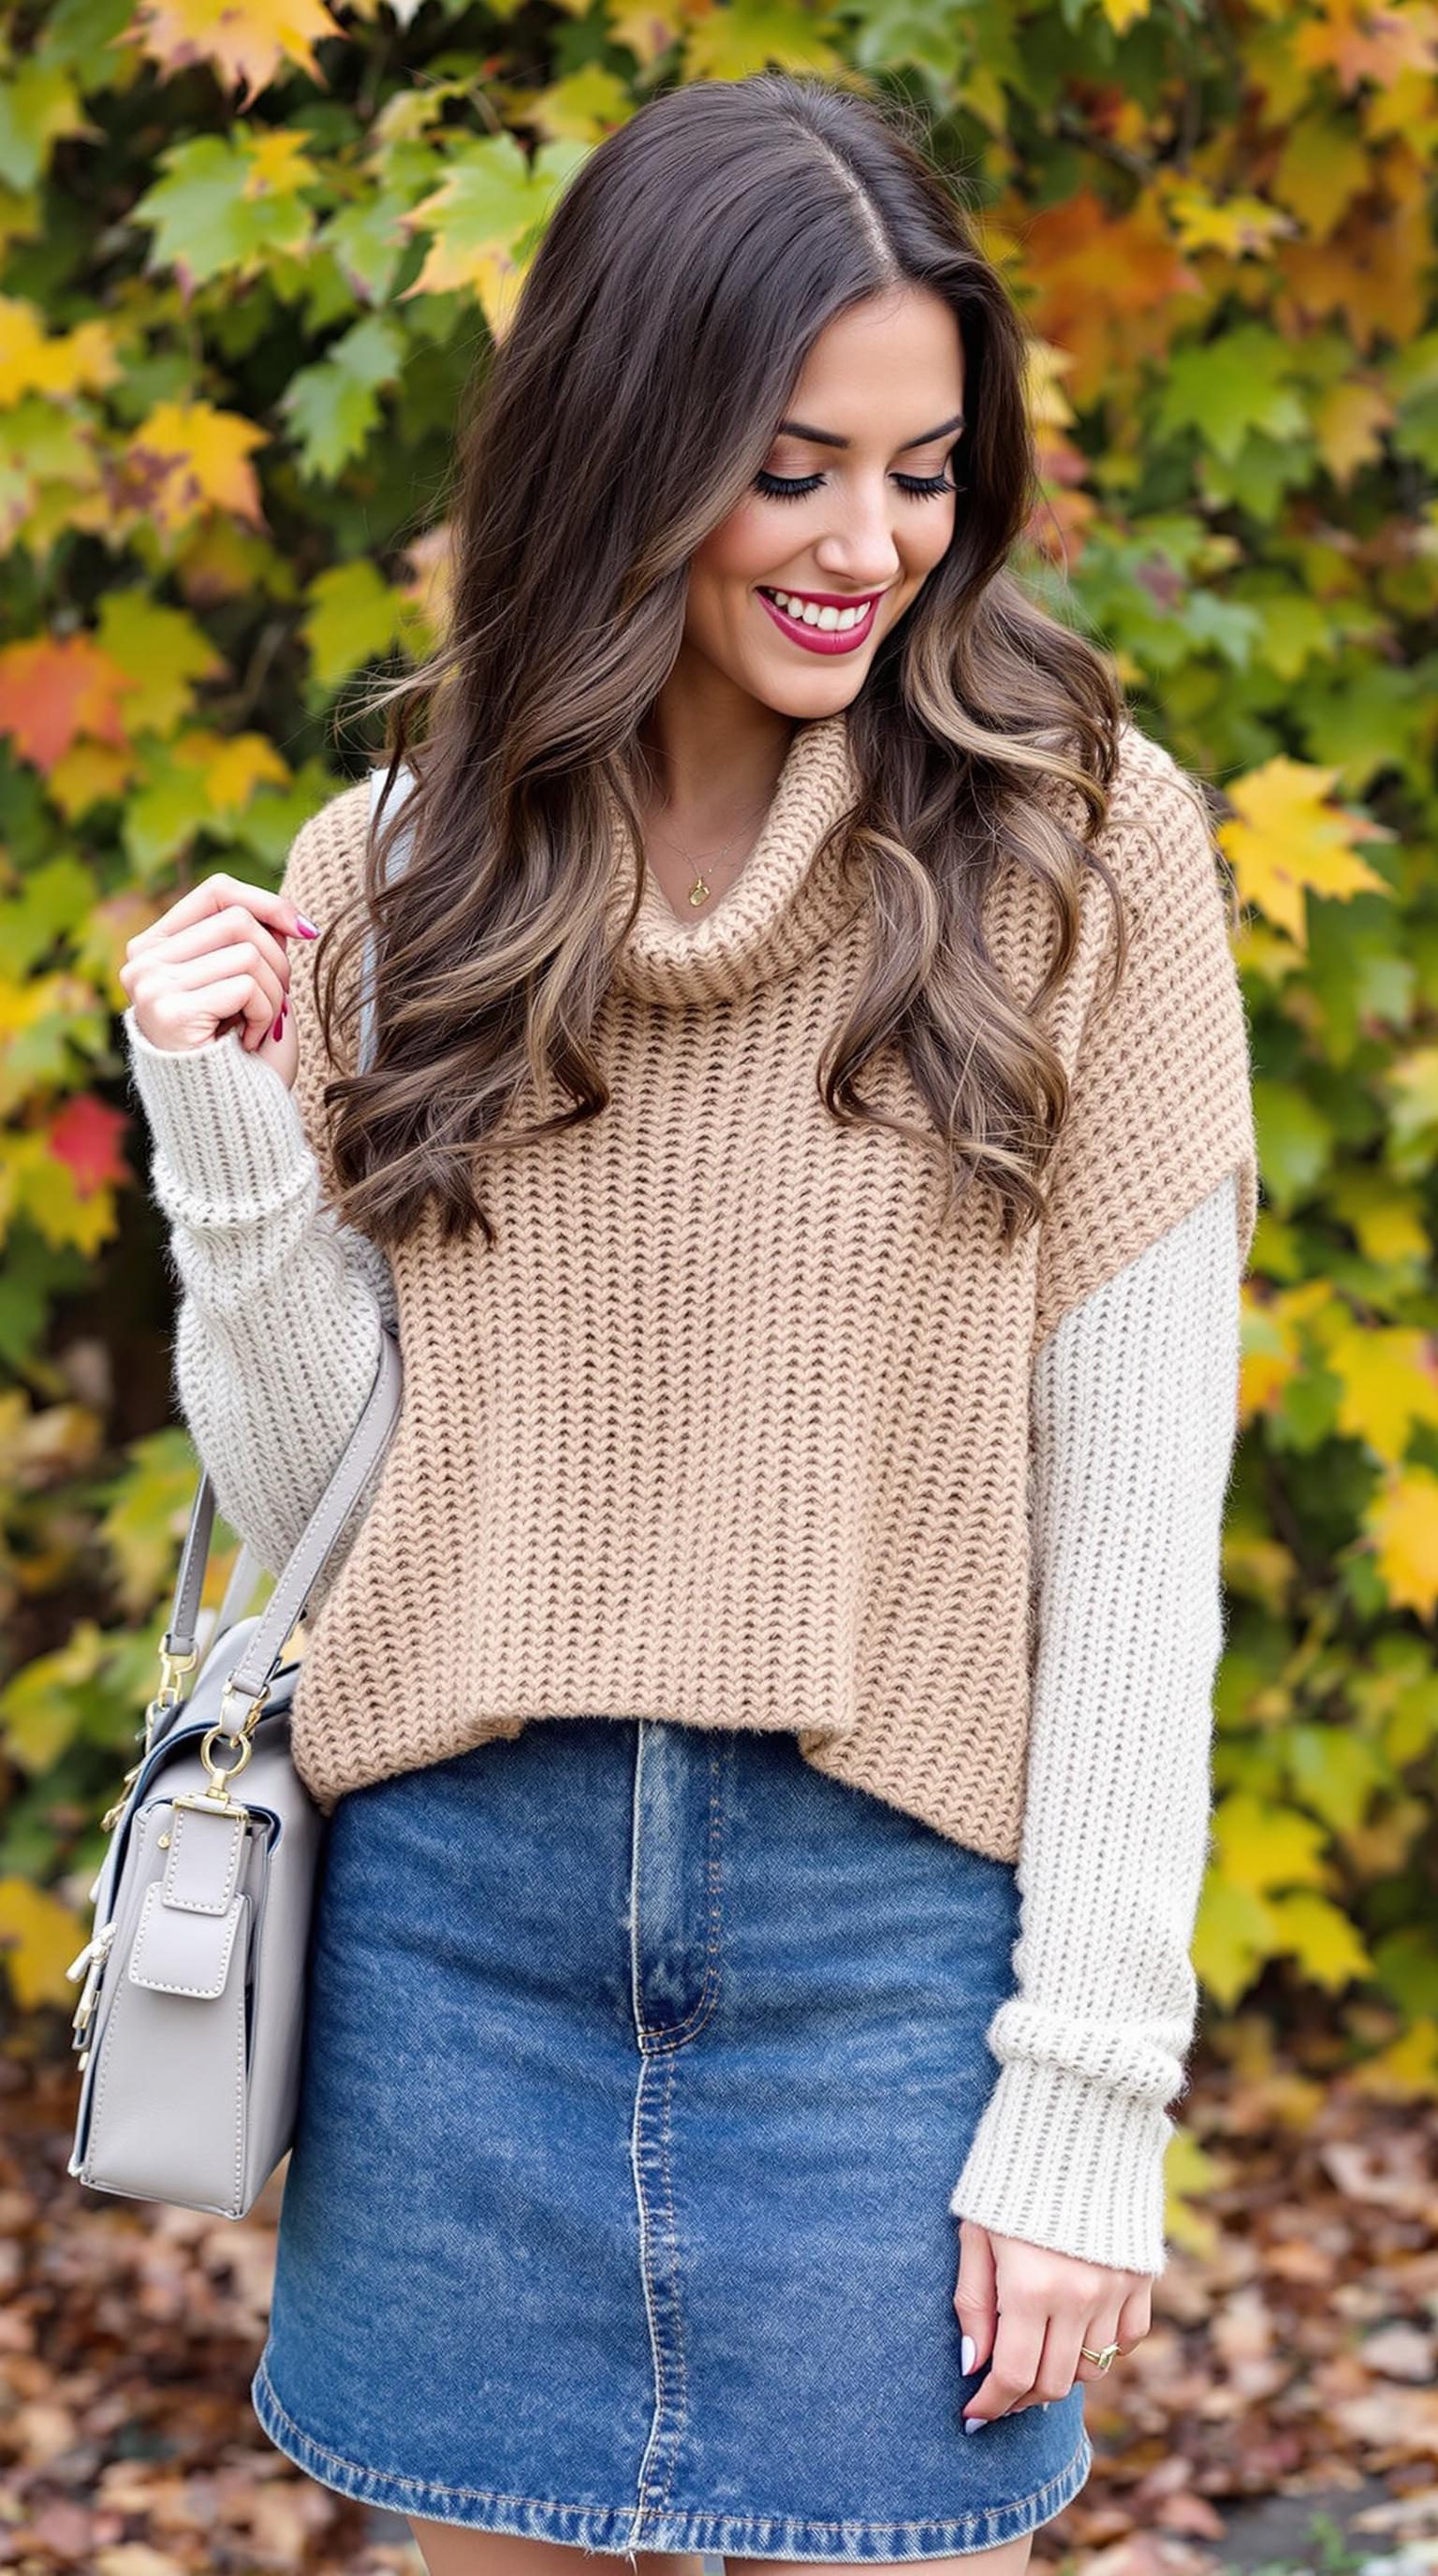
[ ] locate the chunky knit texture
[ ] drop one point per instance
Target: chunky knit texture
(1134, 1428)
(1135, 1409)
(725, 1427)
(276, 1345)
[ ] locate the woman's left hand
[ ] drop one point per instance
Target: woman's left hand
(1030, 2311)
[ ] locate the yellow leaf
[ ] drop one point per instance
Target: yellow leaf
(1320, 1936)
(1232, 1939)
(647, 27)
(1271, 1356)
(231, 765)
(88, 774)
(1286, 837)
(38, 1939)
(85, 360)
(1386, 1220)
(1405, 2071)
(40, 1704)
(1322, 168)
(46, 1189)
(1233, 225)
(585, 106)
(251, 44)
(1390, 1384)
(1403, 1526)
(1261, 1847)
(1048, 405)
(1123, 14)
(187, 458)
(279, 163)
(1349, 421)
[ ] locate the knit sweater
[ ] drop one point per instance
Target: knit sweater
(819, 1526)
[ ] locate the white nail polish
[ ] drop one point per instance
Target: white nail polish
(973, 2423)
(968, 2353)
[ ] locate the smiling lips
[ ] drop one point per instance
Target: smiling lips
(830, 625)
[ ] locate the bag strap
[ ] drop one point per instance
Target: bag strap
(366, 1445)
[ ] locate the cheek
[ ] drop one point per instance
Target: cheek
(929, 542)
(741, 549)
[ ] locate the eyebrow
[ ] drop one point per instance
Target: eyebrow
(830, 438)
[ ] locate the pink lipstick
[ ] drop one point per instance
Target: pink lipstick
(819, 639)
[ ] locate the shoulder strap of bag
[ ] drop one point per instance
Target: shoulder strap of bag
(367, 1442)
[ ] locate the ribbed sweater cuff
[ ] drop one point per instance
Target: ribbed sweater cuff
(1066, 2163)
(230, 1145)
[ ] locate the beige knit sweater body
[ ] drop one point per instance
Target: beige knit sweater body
(727, 1427)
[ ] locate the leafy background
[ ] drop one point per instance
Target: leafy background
(247, 262)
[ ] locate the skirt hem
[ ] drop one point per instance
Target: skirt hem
(622, 2529)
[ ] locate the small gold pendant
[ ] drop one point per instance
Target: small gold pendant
(699, 892)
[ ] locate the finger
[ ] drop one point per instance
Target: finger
(207, 937)
(212, 894)
(212, 982)
(1135, 2317)
(1018, 2343)
(1100, 2331)
(170, 1019)
(975, 2295)
(1058, 2362)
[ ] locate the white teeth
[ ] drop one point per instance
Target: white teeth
(831, 620)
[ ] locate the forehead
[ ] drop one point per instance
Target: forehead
(884, 371)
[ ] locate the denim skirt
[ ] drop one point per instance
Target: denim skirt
(641, 2060)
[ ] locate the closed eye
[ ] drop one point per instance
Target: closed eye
(785, 487)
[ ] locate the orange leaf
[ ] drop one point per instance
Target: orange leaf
(1361, 40)
(56, 688)
(1104, 284)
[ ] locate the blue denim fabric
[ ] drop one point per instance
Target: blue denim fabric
(641, 2060)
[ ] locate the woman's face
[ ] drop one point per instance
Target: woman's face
(852, 510)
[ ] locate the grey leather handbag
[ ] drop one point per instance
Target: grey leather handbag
(190, 2020)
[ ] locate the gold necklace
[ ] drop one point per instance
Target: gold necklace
(699, 891)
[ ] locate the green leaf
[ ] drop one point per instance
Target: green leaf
(1227, 387)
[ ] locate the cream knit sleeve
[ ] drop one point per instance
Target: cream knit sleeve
(1134, 1417)
(277, 1335)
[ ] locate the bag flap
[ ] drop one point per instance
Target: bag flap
(178, 1951)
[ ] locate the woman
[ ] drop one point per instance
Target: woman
(807, 1158)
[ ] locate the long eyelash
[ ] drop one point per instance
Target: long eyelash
(779, 487)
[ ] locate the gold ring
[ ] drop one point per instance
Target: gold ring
(1102, 2360)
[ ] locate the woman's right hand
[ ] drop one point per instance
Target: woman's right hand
(216, 961)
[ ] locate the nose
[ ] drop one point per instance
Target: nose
(859, 550)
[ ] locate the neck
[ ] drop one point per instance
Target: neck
(711, 756)
(780, 907)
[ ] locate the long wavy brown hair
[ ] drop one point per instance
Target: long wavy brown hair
(685, 271)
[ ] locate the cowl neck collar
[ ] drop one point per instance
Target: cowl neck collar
(785, 902)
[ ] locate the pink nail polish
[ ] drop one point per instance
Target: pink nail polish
(307, 928)
(279, 1024)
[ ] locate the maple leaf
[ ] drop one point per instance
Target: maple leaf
(56, 688)
(189, 457)
(1234, 225)
(85, 360)
(249, 43)
(1104, 284)
(1361, 40)
(86, 1135)
(486, 218)
(1402, 1527)
(1286, 836)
